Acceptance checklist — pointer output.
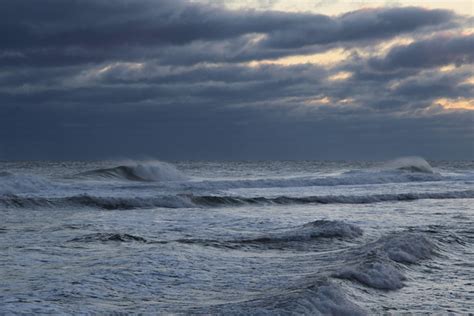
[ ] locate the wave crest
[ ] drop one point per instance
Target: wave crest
(143, 171)
(17, 183)
(384, 259)
(410, 164)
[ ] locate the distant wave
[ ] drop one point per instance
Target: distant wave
(411, 164)
(355, 177)
(12, 183)
(189, 200)
(146, 171)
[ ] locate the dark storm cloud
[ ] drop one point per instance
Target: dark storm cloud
(433, 52)
(358, 25)
(433, 85)
(95, 79)
(65, 32)
(239, 133)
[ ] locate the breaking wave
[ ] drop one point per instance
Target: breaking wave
(410, 164)
(381, 263)
(146, 171)
(12, 183)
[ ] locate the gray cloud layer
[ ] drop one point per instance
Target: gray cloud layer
(90, 79)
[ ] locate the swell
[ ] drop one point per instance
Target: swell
(318, 229)
(282, 238)
(100, 202)
(189, 200)
(381, 265)
(215, 201)
(106, 237)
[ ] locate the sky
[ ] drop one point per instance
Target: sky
(236, 80)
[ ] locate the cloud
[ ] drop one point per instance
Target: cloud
(433, 52)
(66, 32)
(176, 79)
(359, 25)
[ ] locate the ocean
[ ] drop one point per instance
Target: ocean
(236, 237)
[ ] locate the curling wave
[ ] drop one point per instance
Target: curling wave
(410, 164)
(146, 171)
(380, 264)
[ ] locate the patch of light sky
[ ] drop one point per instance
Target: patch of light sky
(336, 7)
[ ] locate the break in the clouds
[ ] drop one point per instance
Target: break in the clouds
(178, 80)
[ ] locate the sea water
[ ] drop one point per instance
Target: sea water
(269, 237)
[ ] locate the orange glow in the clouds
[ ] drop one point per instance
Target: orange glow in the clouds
(320, 101)
(469, 81)
(456, 104)
(342, 75)
(329, 58)
(447, 68)
(384, 47)
(464, 7)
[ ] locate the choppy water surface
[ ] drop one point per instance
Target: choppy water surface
(237, 237)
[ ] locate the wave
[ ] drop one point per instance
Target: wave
(323, 297)
(312, 230)
(146, 171)
(410, 164)
(11, 183)
(105, 237)
(319, 229)
(355, 177)
(100, 202)
(375, 274)
(379, 265)
(214, 201)
(192, 201)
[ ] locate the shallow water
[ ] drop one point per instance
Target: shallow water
(237, 237)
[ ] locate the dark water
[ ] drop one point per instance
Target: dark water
(268, 237)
